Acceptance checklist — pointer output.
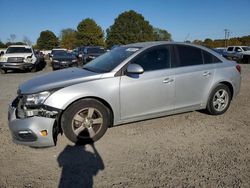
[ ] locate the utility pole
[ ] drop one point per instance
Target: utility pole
(227, 33)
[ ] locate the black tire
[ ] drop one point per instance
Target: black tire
(80, 108)
(246, 59)
(213, 101)
(3, 71)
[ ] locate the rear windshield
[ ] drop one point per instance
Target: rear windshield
(95, 50)
(12, 50)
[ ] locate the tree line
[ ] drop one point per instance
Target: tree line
(128, 27)
(235, 41)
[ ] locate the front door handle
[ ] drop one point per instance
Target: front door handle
(168, 80)
(206, 73)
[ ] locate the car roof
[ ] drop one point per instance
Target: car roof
(237, 46)
(94, 47)
(25, 46)
(156, 43)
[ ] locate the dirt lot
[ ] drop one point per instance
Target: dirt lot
(186, 150)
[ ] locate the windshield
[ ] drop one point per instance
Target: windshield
(12, 50)
(246, 48)
(55, 51)
(95, 50)
(62, 54)
(110, 60)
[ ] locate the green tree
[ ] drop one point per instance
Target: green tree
(234, 42)
(245, 40)
(2, 45)
(129, 27)
(208, 43)
(47, 40)
(162, 35)
(197, 41)
(68, 38)
(89, 33)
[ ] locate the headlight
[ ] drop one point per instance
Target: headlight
(36, 99)
(74, 61)
(55, 61)
(28, 60)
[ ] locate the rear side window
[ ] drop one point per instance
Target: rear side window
(209, 58)
(189, 55)
(230, 49)
(154, 59)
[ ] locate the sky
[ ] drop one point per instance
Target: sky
(184, 19)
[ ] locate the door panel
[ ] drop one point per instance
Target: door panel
(147, 93)
(192, 84)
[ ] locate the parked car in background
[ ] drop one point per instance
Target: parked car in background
(56, 50)
(129, 83)
(92, 52)
(63, 59)
(220, 50)
(239, 53)
(19, 57)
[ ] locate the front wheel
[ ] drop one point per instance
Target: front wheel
(85, 121)
(219, 100)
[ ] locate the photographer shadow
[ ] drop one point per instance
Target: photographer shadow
(79, 166)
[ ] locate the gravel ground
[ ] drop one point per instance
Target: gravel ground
(185, 150)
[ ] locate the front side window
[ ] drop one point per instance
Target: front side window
(189, 55)
(154, 59)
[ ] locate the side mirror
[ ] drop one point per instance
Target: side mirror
(134, 69)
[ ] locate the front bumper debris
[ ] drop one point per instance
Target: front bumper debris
(36, 128)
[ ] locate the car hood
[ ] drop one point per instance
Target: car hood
(57, 79)
(17, 55)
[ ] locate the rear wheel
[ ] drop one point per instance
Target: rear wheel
(85, 121)
(219, 100)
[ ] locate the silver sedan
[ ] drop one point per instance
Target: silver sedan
(129, 83)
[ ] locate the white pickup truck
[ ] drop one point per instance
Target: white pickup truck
(239, 53)
(20, 57)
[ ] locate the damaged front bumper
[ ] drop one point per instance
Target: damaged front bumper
(35, 128)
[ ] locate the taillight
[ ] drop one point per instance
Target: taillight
(238, 68)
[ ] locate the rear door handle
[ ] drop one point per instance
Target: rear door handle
(168, 80)
(206, 73)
